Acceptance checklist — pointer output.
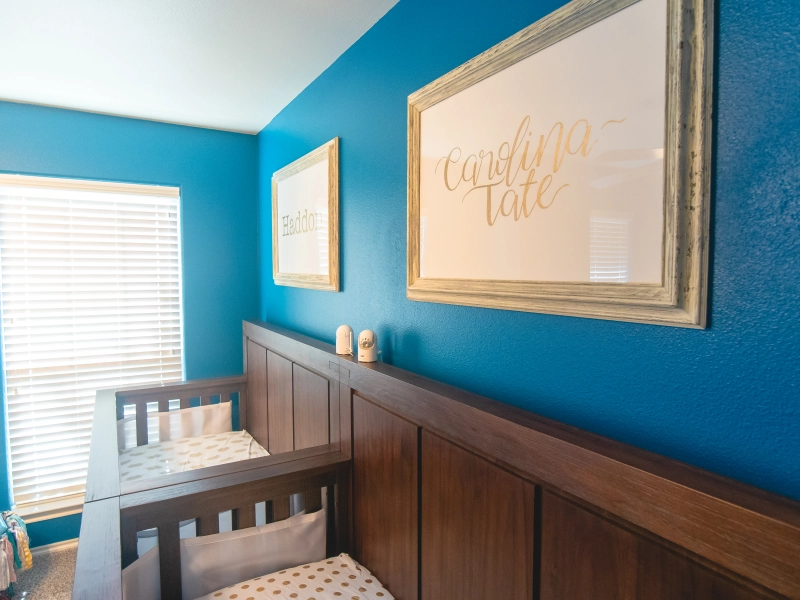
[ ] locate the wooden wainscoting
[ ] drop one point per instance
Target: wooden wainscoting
(385, 497)
(311, 408)
(293, 400)
(587, 556)
(280, 400)
(257, 423)
(477, 526)
(459, 496)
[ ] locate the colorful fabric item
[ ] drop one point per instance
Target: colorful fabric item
(6, 569)
(23, 548)
(17, 535)
(8, 550)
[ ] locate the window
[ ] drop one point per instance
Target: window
(91, 281)
(608, 249)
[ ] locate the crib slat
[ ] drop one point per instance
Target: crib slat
(208, 524)
(244, 517)
(224, 397)
(313, 501)
(141, 424)
(330, 521)
(243, 410)
(280, 509)
(127, 528)
(186, 402)
(205, 400)
(343, 521)
(169, 552)
(163, 406)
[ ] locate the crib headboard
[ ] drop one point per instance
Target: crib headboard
(458, 496)
(293, 399)
(446, 494)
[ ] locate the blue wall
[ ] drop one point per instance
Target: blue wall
(725, 399)
(217, 173)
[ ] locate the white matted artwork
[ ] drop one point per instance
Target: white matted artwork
(305, 220)
(566, 169)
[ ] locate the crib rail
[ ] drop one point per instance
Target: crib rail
(184, 391)
(108, 530)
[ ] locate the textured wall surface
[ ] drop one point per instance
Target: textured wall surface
(726, 398)
(217, 174)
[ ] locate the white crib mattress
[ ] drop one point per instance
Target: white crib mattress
(339, 578)
(187, 453)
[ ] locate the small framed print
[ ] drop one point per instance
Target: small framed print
(305, 220)
(566, 170)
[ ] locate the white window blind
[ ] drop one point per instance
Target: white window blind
(609, 249)
(91, 281)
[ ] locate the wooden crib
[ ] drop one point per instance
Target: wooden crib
(446, 494)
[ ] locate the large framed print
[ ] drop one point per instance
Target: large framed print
(566, 170)
(305, 220)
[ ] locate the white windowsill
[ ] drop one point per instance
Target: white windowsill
(33, 512)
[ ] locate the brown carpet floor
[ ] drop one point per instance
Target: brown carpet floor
(50, 578)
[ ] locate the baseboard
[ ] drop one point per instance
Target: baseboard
(65, 545)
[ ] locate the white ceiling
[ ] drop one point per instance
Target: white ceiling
(225, 64)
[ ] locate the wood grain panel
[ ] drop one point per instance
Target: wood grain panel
(585, 557)
(257, 418)
(279, 404)
(311, 408)
(141, 424)
(98, 565)
(740, 528)
(169, 556)
(208, 524)
(103, 474)
(244, 517)
(280, 508)
(477, 527)
(385, 502)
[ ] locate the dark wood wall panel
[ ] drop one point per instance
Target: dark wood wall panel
(385, 501)
(586, 557)
(257, 424)
(477, 527)
(279, 404)
(311, 408)
(733, 530)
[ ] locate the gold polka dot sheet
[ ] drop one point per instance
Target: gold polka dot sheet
(339, 578)
(186, 454)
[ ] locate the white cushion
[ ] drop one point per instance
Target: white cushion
(141, 580)
(177, 424)
(212, 562)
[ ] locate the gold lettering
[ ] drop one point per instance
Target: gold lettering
(487, 165)
(527, 185)
(449, 159)
(474, 177)
(500, 157)
(521, 131)
(503, 202)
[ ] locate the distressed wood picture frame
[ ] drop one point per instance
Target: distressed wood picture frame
(680, 299)
(305, 220)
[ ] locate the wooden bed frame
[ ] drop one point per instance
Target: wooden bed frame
(446, 494)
